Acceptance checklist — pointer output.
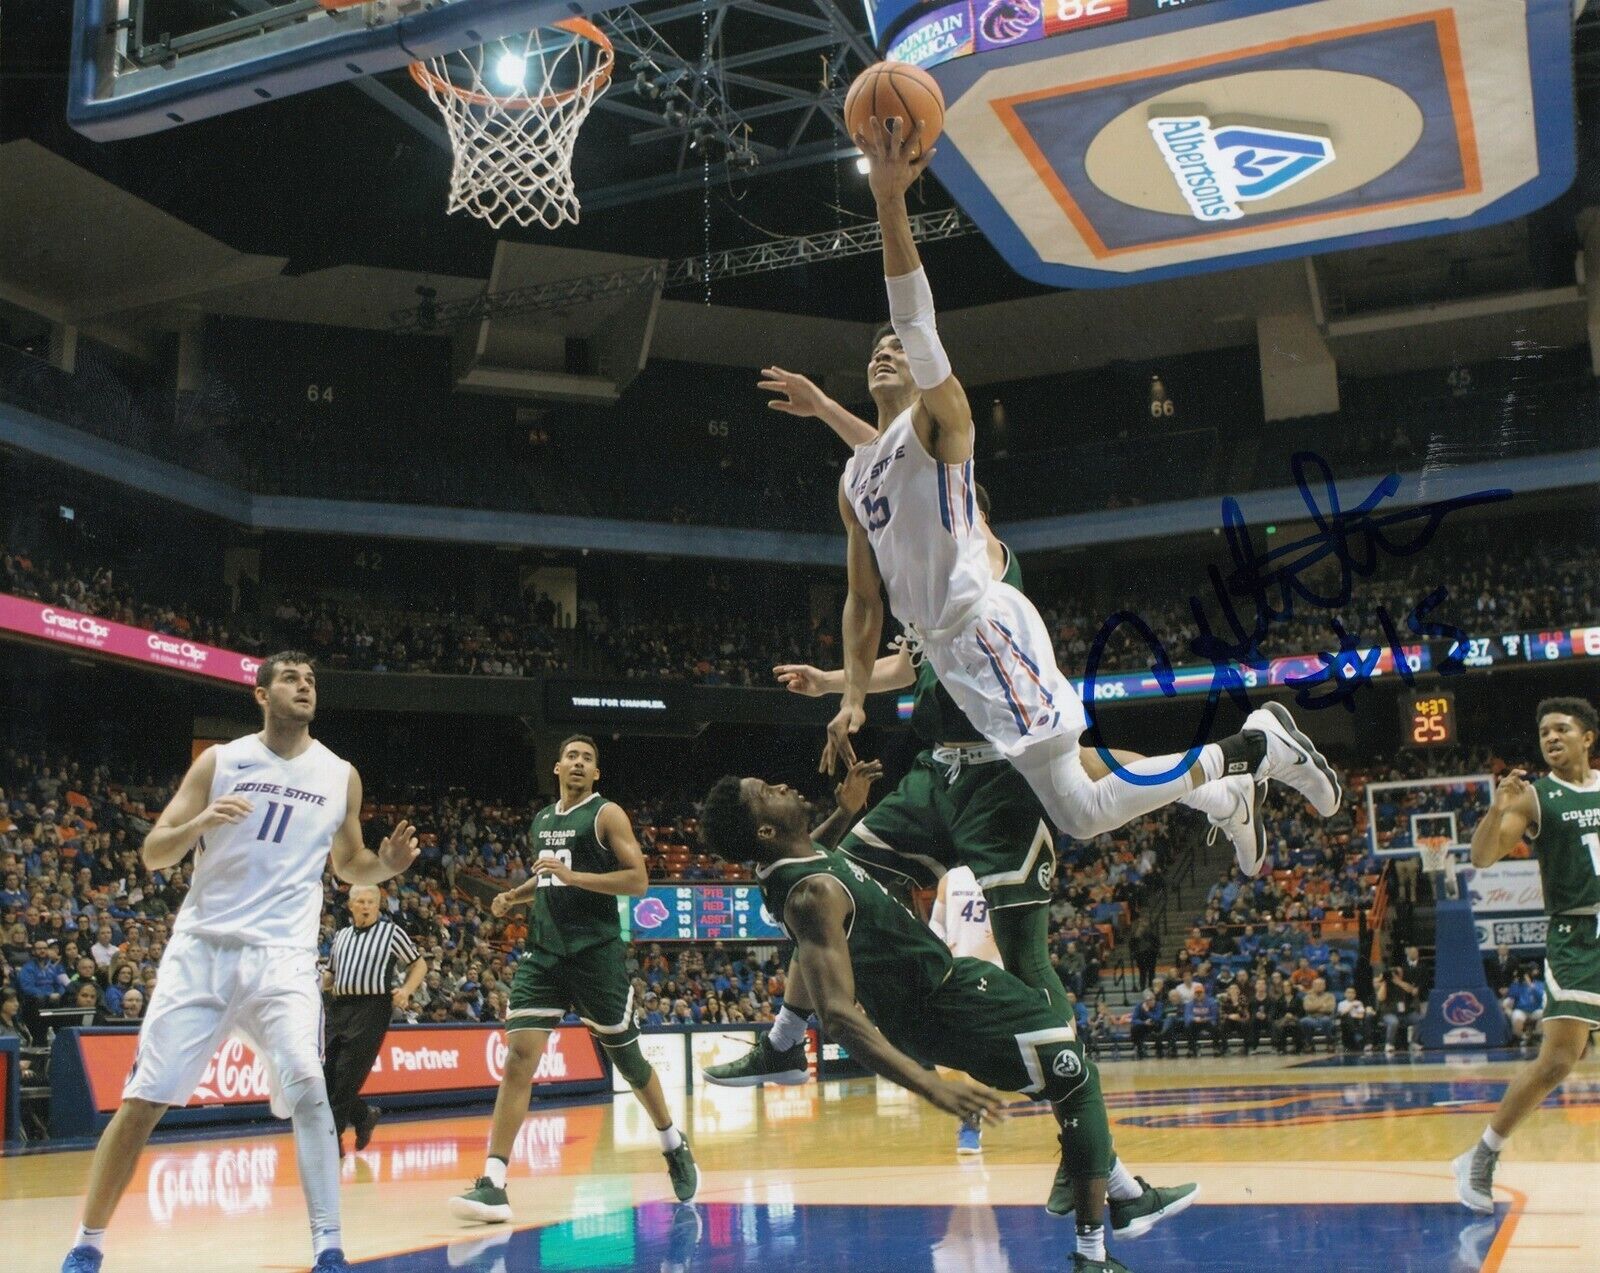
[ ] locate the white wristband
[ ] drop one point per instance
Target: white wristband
(911, 313)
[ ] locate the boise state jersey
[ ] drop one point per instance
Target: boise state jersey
(1567, 844)
(960, 916)
(259, 882)
(935, 718)
(567, 919)
(921, 517)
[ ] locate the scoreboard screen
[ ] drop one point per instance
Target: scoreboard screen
(700, 912)
(1428, 720)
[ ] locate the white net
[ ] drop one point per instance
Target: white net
(513, 109)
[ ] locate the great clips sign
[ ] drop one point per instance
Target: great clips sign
(101, 636)
(411, 1061)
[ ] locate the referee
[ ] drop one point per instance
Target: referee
(359, 976)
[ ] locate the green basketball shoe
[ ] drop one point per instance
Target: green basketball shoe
(1062, 1195)
(483, 1203)
(683, 1171)
(1139, 1215)
(762, 1064)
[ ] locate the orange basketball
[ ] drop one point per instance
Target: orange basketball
(895, 90)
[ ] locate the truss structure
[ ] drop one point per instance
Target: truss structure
(761, 258)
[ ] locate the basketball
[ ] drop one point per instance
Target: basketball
(896, 90)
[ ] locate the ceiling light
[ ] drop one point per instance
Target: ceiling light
(863, 165)
(510, 70)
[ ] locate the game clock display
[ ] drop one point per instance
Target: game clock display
(1428, 720)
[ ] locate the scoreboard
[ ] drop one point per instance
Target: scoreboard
(699, 912)
(1428, 720)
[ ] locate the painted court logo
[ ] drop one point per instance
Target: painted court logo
(1006, 21)
(1219, 170)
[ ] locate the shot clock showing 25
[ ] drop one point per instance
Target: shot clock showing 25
(1428, 720)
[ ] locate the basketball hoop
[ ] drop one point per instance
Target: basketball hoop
(1436, 861)
(513, 153)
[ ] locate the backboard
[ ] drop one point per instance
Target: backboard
(1403, 816)
(1104, 142)
(131, 74)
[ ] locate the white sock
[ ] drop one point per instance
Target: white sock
(787, 1030)
(1210, 798)
(1092, 1241)
(1120, 1184)
(1493, 1140)
(316, 1152)
(1211, 762)
(671, 1137)
(495, 1169)
(91, 1237)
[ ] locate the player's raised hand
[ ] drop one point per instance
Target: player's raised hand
(965, 1099)
(1511, 789)
(502, 903)
(800, 678)
(224, 811)
(800, 396)
(851, 794)
(895, 156)
(399, 848)
(840, 751)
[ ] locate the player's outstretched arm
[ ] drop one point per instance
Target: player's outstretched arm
(190, 814)
(1512, 811)
(802, 398)
(862, 630)
(891, 672)
(849, 799)
(947, 429)
(353, 862)
(816, 913)
(630, 879)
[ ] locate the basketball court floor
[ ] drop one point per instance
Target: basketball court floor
(1305, 1165)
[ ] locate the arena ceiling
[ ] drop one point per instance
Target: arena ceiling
(328, 207)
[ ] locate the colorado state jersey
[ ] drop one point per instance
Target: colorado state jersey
(960, 916)
(259, 882)
(1567, 844)
(567, 919)
(898, 961)
(935, 718)
(921, 518)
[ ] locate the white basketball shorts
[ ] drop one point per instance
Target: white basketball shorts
(1000, 668)
(268, 996)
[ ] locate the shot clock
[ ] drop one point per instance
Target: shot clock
(1428, 720)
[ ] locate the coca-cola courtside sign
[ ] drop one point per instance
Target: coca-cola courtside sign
(415, 1060)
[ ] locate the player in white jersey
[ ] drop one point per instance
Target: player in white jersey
(264, 814)
(960, 919)
(909, 508)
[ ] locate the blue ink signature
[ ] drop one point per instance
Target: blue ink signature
(1357, 540)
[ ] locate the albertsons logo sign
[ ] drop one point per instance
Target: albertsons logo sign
(1219, 170)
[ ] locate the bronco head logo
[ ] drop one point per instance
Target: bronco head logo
(1462, 1008)
(651, 912)
(1005, 21)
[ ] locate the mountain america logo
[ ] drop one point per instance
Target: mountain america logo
(1007, 21)
(1220, 169)
(1462, 1008)
(650, 913)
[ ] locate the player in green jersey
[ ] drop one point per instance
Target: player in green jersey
(893, 995)
(1560, 816)
(585, 857)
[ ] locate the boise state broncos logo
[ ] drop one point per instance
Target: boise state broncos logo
(650, 912)
(1005, 21)
(1462, 1008)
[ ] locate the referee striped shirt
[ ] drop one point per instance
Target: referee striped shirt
(363, 960)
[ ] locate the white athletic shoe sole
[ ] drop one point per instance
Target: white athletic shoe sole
(1293, 759)
(1138, 1228)
(1471, 1199)
(966, 1151)
(784, 1078)
(466, 1209)
(1244, 828)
